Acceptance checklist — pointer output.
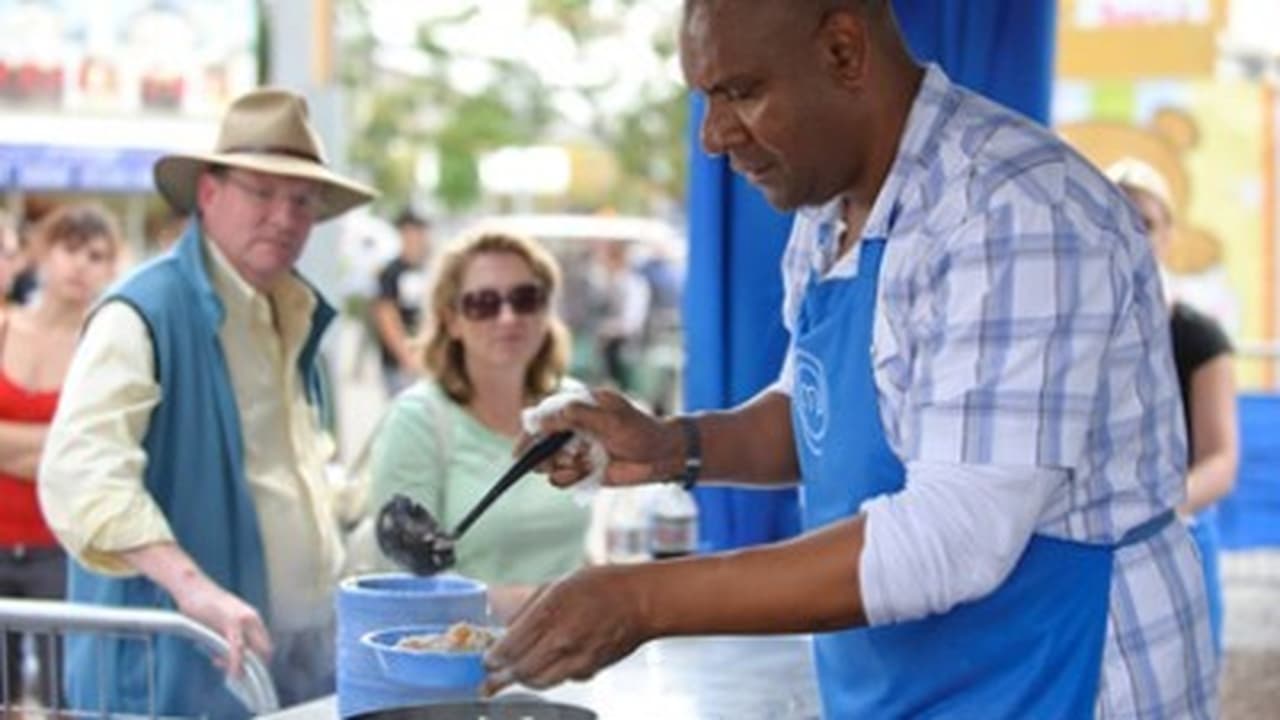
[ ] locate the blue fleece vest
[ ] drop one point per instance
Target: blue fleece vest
(195, 473)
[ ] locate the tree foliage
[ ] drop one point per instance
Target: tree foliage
(400, 114)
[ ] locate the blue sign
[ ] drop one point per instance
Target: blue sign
(155, 64)
(55, 167)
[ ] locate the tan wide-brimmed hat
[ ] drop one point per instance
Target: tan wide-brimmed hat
(267, 131)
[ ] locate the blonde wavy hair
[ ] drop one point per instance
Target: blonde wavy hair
(444, 356)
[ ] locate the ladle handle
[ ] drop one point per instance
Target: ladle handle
(528, 460)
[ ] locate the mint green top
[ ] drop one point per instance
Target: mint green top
(434, 451)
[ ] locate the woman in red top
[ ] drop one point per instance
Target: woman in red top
(76, 248)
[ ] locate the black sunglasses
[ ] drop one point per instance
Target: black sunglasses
(486, 303)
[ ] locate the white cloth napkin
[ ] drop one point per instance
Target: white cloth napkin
(531, 419)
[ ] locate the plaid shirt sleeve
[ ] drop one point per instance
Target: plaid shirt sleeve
(1019, 310)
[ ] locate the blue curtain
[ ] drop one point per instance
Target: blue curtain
(734, 338)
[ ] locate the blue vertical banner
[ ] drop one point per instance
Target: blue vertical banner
(734, 339)
(1000, 48)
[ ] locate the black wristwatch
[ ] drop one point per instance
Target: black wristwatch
(692, 453)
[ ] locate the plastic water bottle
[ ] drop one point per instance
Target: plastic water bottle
(673, 523)
(627, 525)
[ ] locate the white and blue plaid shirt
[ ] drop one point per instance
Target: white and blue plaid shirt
(1021, 324)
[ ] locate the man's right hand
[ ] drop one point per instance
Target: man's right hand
(203, 600)
(641, 447)
(751, 444)
(235, 620)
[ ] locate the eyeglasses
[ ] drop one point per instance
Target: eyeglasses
(305, 203)
(486, 303)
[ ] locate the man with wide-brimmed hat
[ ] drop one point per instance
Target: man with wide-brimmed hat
(185, 467)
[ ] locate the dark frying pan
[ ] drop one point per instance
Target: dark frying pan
(483, 710)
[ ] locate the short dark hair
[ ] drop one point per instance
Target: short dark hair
(410, 219)
(75, 225)
(803, 11)
(870, 8)
(816, 5)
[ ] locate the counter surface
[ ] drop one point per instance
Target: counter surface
(698, 678)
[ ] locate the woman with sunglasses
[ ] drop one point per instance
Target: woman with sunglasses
(493, 349)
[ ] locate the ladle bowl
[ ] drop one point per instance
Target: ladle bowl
(409, 535)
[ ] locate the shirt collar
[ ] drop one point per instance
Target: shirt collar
(290, 296)
(916, 146)
(917, 141)
(826, 222)
(234, 290)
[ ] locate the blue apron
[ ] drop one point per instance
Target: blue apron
(1030, 649)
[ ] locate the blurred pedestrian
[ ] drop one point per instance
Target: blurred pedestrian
(75, 250)
(624, 296)
(401, 284)
(1202, 354)
(17, 276)
(12, 258)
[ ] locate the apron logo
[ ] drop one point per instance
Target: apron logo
(811, 395)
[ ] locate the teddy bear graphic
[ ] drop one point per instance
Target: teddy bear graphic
(1194, 260)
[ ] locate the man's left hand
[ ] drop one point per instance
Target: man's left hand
(570, 631)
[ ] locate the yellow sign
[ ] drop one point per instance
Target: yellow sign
(1138, 38)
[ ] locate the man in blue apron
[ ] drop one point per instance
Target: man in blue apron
(979, 402)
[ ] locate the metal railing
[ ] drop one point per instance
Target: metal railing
(55, 619)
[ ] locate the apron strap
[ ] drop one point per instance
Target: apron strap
(1147, 530)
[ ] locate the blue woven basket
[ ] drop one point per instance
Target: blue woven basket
(375, 602)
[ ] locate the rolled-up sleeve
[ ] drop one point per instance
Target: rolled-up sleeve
(91, 476)
(952, 535)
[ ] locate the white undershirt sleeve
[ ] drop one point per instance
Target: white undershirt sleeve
(953, 534)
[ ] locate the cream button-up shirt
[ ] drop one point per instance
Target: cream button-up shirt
(91, 479)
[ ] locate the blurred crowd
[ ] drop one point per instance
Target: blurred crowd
(167, 431)
(620, 300)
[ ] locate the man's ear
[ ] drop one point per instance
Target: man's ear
(206, 188)
(845, 43)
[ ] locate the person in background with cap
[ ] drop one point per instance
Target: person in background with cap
(185, 466)
(1206, 377)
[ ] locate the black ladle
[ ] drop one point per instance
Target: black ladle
(410, 536)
